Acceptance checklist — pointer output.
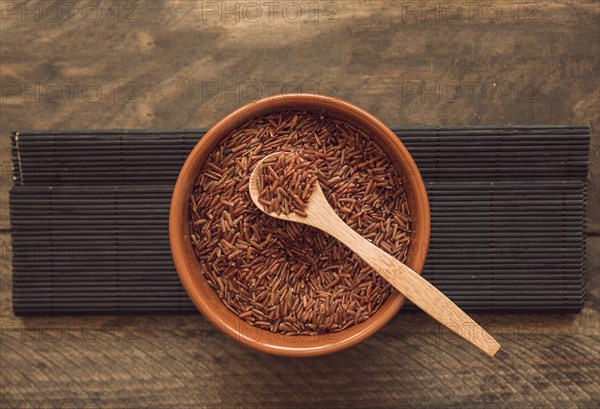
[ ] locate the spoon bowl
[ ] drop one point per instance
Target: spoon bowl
(317, 198)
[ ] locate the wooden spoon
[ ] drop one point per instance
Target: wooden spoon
(414, 287)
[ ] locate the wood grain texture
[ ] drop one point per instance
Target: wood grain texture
(381, 59)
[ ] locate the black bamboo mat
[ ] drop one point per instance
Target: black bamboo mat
(89, 214)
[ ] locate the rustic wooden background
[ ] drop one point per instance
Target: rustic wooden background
(158, 64)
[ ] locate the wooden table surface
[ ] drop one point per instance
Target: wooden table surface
(155, 64)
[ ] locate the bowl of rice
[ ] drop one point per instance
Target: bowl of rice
(285, 288)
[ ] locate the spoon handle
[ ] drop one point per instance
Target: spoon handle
(414, 287)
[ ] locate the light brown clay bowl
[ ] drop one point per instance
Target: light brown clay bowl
(188, 268)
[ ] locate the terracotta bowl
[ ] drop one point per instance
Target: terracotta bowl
(188, 268)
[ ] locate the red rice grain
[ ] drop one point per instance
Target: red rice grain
(287, 277)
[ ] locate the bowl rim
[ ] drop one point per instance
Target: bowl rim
(188, 267)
